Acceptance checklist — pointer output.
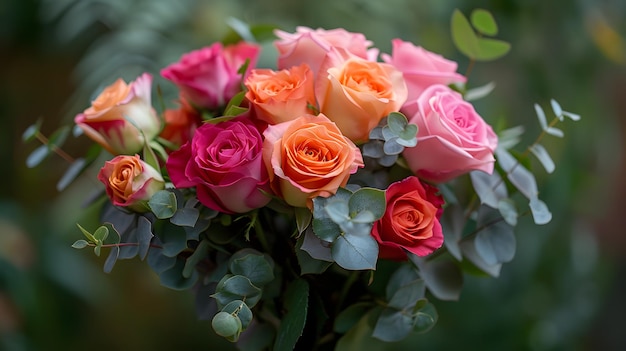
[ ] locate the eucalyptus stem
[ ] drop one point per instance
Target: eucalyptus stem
(123, 244)
(64, 155)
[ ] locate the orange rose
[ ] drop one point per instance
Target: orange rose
(180, 124)
(280, 96)
(356, 94)
(122, 119)
(308, 157)
(130, 182)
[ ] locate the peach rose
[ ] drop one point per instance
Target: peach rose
(130, 182)
(122, 119)
(280, 96)
(310, 46)
(421, 68)
(180, 124)
(308, 157)
(356, 93)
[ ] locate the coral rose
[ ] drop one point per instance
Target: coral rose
(308, 157)
(130, 182)
(356, 93)
(410, 222)
(452, 139)
(180, 124)
(121, 118)
(280, 96)
(224, 163)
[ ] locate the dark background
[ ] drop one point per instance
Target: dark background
(563, 291)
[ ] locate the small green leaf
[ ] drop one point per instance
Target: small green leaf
(396, 122)
(241, 28)
(37, 156)
(508, 211)
(236, 287)
(240, 309)
(479, 92)
(484, 22)
(425, 319)
(227, 325)
(173, 278)
(292, 323)
(173, 239)
(150, 158)
(463, 35)
(392, 147)
(252, 265)
(408, 295)
(80, 244)
(495, 242)
(350, 316)
(185, 217)
(101, 234)
(392, 325)
(338, 210)
(74, 170)
(541, 213)
(543, 156)
(308, 264)
(87, 234)
(370, 199)
(58, 137)
(303, 218)
(97, 249)
(316, 247)
(491, 49)
(556, 108)
(200, 253)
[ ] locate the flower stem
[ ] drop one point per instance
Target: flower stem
(54, 148)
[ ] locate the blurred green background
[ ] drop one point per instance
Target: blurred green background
(563, 291)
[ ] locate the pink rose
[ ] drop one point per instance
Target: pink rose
(280, 96)
(421, 68)
(224, 163)
(410, 222)
(130, 182)
(356, 93)
(208, 77)
(452, 139)
(310, 46)
(122, 119)
(308, 157)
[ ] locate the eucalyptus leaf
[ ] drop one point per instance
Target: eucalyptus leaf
(355, 252)
(200, 253)
(80, 244)
(508, 138)
(159, 262)
(308, 264)
(543, 156)
(556, 108)
(31, 132)
(479, 92)
(491, 49)
(37, 156)
(337, 210)
(490, 188)
(241, 310)
(393, 325)
(73, 171)
(373, 149)
(174, 240)
(508, 211)
(495, 241)
(350, 316)
(185, 217)
(469, 252)
(541, 213)
(463, 35)
(408, 294)
(392, 147)
(144, 236)
(317, 248)
(101, 233)
(517, 174)
(173, 277)
(163, 204)
(443, 278)
(292, 324)
(57, 139)
(572, 116)
(111, 259)
(253, 266)
(370, 199)
(425, 319)
(236, 287)
(405, 274)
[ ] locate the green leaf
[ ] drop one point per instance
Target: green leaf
(173, 277)
(409, 134)
(517, 174)
(443, 277)
(185, 217)
(73, 171)
(490, 188)
(463, 35)
(508, 211)
(543, 122)
(479, 92)
(359, 338)
(174, 240)
(37, 156)
(31, 132)
(491, 49)
(393, 325)
(227, 325)
(87, 234)
(543, 156)
(236, 287)
(80, 244)
(201, 252)
(396, 122)
(408, 295)
(350, 316)
(144, 236)
(292, 323)
(163, 204)
(370, 199)
(556, 108)
(484, 23)
(405, 274)
(241, 28)
(508, 138)
(303, 218)
(97, 249)
(495, 242)
(308, 264)
(337, 210)
(101, 234)
(425, 319)
(253, 266)
(150, 157)
(159, 262)
(469, 252)
(111, 259)
(355, 252)
(316, 247)
(392, 147)
(241, 310)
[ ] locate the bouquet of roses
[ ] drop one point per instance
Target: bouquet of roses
(323, 202)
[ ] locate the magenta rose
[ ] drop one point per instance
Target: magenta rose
(208, 77)
(421, 68)
(452, 139)
(224, 163)
(411, 220)
(310, 46)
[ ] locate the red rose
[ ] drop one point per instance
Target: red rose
(410, 222)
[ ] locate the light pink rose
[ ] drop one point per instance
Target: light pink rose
(224, 163)
(356, 93)
(130, 182)
(208, 77)
(310, 46)
(452, 139)
(421, 68)
(121, 118)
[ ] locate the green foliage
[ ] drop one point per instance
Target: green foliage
(473, 45)
(292, 324)
(163, 204)
(389, 139)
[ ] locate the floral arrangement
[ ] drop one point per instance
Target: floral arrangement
(327, 201)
